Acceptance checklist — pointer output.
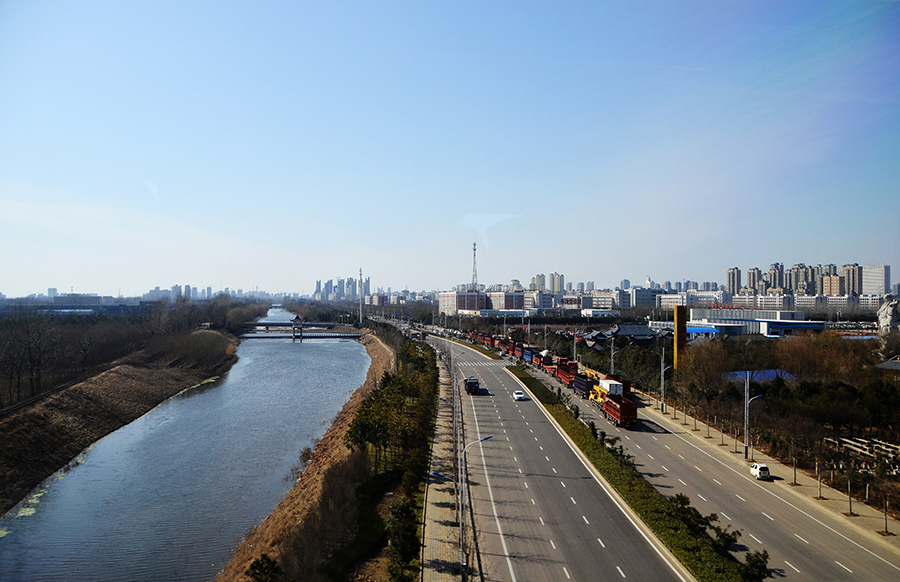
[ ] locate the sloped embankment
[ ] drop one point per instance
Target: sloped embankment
(319, 514)
(39, 440)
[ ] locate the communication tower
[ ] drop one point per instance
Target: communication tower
(474, 270)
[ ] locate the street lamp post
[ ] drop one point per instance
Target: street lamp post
(463, 478)
(662, 380)
(747, 401)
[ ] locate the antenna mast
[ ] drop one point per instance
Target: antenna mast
(474, 270)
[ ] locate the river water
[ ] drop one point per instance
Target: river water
(171, 495)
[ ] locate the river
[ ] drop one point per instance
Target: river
(171, 495)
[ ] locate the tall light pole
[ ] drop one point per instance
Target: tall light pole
(662, 380)
(612, 355)
(463, 480)
(747, 401)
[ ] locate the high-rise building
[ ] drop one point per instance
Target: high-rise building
(539, 282)
(733, 281)
(775, 276)
(557, 284)
(852, 275)
(876, 279)
(754, 277)
(833, 285)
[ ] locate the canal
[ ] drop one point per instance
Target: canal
(171, 495)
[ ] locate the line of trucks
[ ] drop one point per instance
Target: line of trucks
(610, 393)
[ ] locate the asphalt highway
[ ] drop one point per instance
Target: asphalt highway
(804, 540)
(540, 513)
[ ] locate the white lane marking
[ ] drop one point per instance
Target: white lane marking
(535, 438)
(767, 515)
(567, 573)
(668, 447)
(563, 483)
(533, 503)
(725, 516)
(589, 523)
(654, 438)
(637, 445)
(739, 497)
(664, 468)
(602, 545)
(651, 456)
(532, 430)
(716, 481)
(843, 566)
(701, 497)
(554, 470)
(487, 480)
(520, 470)
(781, 499)
(504, 431)
(510, 447)
(801, 539)
(526, 484)
(540, 518)
(552, 544)
(680, 455)
(698, 468)
(573, 501)
(546, 457)
(515, 459)
(627, 437)
(755, 538)
(682, 482)
(540, 447)
(792, 566)
(597, 479)
(507, 439)
(620, 571)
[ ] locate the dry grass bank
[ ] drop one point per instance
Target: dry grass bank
(319, 514)
(39, 440)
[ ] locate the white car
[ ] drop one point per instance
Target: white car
(518, 395)
(759, 471)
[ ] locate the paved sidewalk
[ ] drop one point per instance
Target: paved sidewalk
(866, 520)
(440, 553)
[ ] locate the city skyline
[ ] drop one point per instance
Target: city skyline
(554, 283)
(262, 146)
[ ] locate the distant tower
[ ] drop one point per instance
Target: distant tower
(360, 296)
(474, 270)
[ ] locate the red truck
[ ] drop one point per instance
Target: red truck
(620, 410)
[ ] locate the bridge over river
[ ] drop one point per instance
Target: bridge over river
(296, 330)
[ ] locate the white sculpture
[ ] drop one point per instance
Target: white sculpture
(888, 315)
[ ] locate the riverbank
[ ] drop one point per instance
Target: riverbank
(318, 514)
(40, 439)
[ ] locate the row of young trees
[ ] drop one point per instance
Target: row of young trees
(395, 423)
(838, 392)
(40, 351)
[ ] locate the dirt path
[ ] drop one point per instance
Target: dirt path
(319, 514)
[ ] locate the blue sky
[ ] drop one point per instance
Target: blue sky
(272, 144)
